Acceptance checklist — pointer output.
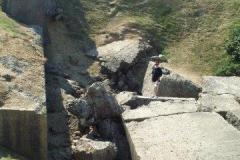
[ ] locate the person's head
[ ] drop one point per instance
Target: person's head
(157, 62)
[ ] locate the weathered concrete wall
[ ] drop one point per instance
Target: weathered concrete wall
(23, 126)
(24, 132)
(28, 11)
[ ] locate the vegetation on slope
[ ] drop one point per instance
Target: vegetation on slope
(231, 65)
(191, 32)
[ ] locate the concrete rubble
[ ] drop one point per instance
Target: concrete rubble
(160, 128)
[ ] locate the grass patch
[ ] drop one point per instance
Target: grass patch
(7, 24)
(230, 65)
(191, 32)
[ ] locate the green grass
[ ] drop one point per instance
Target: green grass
(192, 32)
(7, 24)
(230, 64)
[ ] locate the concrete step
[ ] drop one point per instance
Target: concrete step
(188, 136)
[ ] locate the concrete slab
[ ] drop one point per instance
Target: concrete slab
(220, 94)
(190, 136)
(221, 85)
(218, 103)
(23, 117)
(158, 108)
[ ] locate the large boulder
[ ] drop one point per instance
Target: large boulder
(87, 149)
(120, 54)
(102, 101)
(220, 94)
(174, 85)
(81, 109)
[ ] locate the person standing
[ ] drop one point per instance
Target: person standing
(156, 75)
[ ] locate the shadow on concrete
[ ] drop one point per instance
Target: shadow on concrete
(66, 43)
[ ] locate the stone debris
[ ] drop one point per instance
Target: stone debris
(103, 103)
(174, 85)
(87, 149)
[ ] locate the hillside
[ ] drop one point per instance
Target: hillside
(75, 75)
(191, 33)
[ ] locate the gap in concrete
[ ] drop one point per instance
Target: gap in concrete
(231, 118)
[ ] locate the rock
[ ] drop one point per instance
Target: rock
(218, 103)
(176, 86)
(220, 94)
(37, 31)
(161, 58)
(87, 149)
(113, 130)
(107, 84)
(124, 97)
(80, 109)
(132, 81)
(221, 85)
(121, 84)
(13, 64)
(120, 54)
(165, 71)
(205, 136)
(108, 129)
(103, 103)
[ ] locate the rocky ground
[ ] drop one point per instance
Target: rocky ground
(185, 128)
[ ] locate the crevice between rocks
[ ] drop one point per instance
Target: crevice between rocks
(231, 118)
(146, 118)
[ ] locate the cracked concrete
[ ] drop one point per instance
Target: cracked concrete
(186, 129)
(184, 137)
(158, 107)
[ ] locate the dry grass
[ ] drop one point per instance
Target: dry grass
(192, 32)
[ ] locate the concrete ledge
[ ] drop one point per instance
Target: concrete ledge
(160, 107)
(24, 132)
(183, 137)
